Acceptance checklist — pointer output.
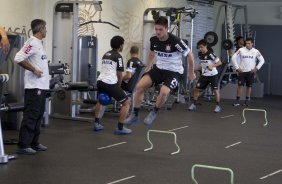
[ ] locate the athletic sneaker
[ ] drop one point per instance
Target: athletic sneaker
(217, 109)
(124, 131)
(150, 118)
(39, 147)
(236, 103)
(192, 107)
(247, 103)
(132, 119)
(26, 151)
(98, 127)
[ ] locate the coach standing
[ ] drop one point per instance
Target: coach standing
(32, 57)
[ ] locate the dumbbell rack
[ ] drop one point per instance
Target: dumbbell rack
(3, 157)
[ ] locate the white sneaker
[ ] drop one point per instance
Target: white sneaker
(192, 107)
(217, 109)
(150, 118)
(124, 131)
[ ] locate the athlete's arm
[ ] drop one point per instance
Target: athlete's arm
(234, 61)
(119, 76)
(261, 62)
(4, 42)
(150, 60)
(190, 61)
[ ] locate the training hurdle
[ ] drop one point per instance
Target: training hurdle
(212, 168)
(164, 132)
(259, 110)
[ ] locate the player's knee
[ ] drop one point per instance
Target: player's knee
(164, 92)
(139, 89)
(126, 103)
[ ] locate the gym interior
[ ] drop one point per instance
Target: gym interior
(238, 145)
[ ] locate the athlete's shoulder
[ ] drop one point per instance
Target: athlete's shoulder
(212, 55)
(31, 41)
(136, 61)
(112, 55)
(154, 38)
(255, 50)
(107, 54)
(173, 37)
(116, 54)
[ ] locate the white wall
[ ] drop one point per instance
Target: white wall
(19, 13)
(259, 13)
(127, 14)
(263, 13)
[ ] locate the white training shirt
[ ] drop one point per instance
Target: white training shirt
(206, 60)
(34, 53)
(112, 63)
(247, 59)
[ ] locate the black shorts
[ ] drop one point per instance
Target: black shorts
(204, 81)
(168, 78)
(246, 77)
(124, 85)
(114, 90)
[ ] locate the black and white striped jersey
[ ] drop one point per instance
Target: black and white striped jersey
(169, 53)
(132, 64)
(111, 63)
(206, 60)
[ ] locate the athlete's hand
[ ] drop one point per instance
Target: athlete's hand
(38, 73)
(254, 70)
(210, 67)
(192, 76)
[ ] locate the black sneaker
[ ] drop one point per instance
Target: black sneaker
(25, 151)
(236, 103)
(39, 147)
(247, 103)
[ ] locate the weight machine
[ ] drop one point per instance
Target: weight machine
(81, 54)
(3, 157)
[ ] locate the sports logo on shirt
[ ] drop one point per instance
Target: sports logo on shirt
(44, 57)
(167, 48)
(107, 61)
(28, 49)
(246, 56)
(165, 55)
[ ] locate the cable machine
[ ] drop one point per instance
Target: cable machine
(80, 52)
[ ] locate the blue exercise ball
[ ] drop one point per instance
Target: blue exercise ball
(104, 98)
